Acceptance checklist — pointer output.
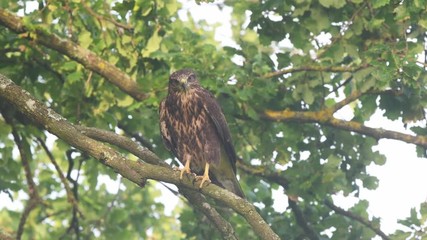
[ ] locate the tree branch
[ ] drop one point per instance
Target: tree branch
(314, 69)
(135, 171)
(70, 195)
(356, 218)
(103, 18)
(325, 117)
(122, 142)
(195, 198)
(74, 51)
(302, 222)
(300, 219)
(35, 199)
(138, 137)
(199, 201)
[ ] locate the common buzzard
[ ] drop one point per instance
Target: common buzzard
(194, 128)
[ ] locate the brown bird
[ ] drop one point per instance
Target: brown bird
(194, 128)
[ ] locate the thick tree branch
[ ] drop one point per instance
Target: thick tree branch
(356, 218)
(74, 51)
(122, 142)
(138, 137)
(199, 201)
(195, 198)
(325, 117)
(135, 171)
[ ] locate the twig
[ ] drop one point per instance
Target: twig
(32, 190)
(352, 97)
(70, 195)
(101, 17)
(74, 224)
(356, 218)
(302, 222)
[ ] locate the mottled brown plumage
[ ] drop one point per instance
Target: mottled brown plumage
(194, 128)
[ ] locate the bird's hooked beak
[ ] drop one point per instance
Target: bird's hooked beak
(184, 84)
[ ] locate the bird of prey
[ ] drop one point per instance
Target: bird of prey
(194, 128)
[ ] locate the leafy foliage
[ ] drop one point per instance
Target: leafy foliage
(299, 55)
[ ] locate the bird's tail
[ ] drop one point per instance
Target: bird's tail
(232, 185)
(223, 175)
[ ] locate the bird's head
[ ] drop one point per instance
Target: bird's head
(183, 80)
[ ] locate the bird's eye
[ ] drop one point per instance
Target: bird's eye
(191, 78)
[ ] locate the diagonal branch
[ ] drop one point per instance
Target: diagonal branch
(300, 219)
(302, 222)
(135, 171)
(122, 142)
(70, 195)
(199, 201)
(104, 18)
(35, 199)
(195, 198)
(355, 217)
(74, 51)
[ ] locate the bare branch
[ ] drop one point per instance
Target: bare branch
(101, 17)
(70, 195)
(35, 199)
(74, 51)
(302, 222)
(356, 218)
(135, 171)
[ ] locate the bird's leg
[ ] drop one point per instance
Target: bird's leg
(205, 177)
(186, 168)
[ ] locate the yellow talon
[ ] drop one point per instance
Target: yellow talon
(185, 169)
(205, 177)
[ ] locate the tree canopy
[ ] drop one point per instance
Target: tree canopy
(81, 83)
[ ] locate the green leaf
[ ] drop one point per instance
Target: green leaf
(379, 3)
(332, 3)
(85, 39)
(153, 44)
